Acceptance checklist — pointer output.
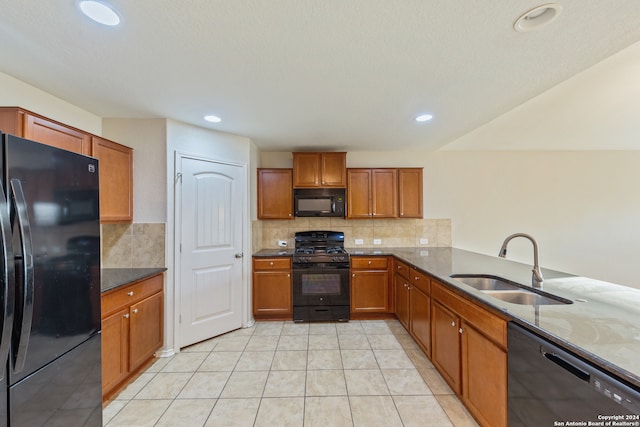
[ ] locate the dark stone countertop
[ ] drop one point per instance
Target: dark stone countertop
(115, 277)
(602, 325)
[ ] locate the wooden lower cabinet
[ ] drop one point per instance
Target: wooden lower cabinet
(370, 291)
(272, 288)
(445, 353)
(132, 330)
(401, 285)
(420, 324)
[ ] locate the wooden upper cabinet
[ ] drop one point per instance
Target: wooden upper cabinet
(316, 170)
(275, 194)
(31, 126)
(372, 193)
(410, 192)
(116, 180)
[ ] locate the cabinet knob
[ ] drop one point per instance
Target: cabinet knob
(288, 275)
(353, 275)
(126, 316)
(369, 262)
(453, 323)
(401, 213)
(460, 330)
(416, 278)
(134, 311)
(271, 263)
(289, 214)
(399, 267)
(130, 293)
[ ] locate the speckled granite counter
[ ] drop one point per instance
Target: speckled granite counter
(602, 325)
(115, 277)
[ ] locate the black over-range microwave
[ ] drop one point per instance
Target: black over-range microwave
(319, 202)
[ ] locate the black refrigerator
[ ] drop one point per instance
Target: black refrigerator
(50, 293)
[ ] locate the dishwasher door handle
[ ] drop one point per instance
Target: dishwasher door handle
(567, 366)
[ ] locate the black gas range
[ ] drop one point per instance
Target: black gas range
(321, 288)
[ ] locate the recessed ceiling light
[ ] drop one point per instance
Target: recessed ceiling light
(100, 12)
(213, 119)
(424, 118)
(537, 17)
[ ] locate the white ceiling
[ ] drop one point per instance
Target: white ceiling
(307, 74)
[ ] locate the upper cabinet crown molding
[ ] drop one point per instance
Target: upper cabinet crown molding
(316, 170)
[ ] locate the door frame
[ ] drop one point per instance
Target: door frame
(175, 304)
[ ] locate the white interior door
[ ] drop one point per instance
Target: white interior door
(210, 241)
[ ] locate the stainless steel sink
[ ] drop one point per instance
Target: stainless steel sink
(527, 297)
(509, 291)
(486, 282)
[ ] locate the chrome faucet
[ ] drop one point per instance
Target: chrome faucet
(536, 279)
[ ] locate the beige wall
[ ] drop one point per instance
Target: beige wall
(583, 207)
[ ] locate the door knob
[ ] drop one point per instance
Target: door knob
(240, 255)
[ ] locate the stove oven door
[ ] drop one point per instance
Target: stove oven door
(321, 292)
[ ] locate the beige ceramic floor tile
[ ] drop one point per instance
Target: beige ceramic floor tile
(331, 411)
(323, 342)
(326, 383)
(245, 384)
(405, 382)
(322, 328)
(351, 328)
(384, 342)
(353, 342)
(232, 343)
(185, 362)
(289, 361)
(435, 382)
(291, 328)
(134, 388)
(233, 413)
(456, 412)
(164, 385)
(374, 411)
(376, 328)
(140, 413)
(220, 361)
(324, 359)
(262, 343)
(112, 409)
(268, 328)
(421, 411)
(255, 361)
(285, 384)
(281, 412)
(187, 413)
(365, 382)
(358, 359)
(392, 359)
(293, 342)
(204, 346)
(205, 385)
(158, 364)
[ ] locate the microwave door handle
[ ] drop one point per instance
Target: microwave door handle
(8, 278)
(27, 273)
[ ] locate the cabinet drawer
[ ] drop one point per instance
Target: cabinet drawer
(492, 326)
(368, 263)
(130, 294)
(402, 269)
(283, 263)
(420, 280)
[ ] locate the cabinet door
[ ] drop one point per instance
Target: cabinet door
(116, 180)
(306, 170)
(48, 132)
(401, 286)
(420, 309)
(410, 192)
(334, 170)
(369, 291)
(445, 353)
(146, 329)
(275, 194)
(358, 193)
(484, 381)
(115, 349)
(384, 193)
(272, 292)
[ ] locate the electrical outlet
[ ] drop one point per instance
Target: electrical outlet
(282, 243)
(377, 241)
(359, 241)
(424, 253)
(424, 241)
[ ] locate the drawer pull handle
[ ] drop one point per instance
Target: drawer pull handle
(130, 293)
(126, 316)
(135, 310)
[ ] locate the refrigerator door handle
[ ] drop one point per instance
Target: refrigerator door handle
(27, 266)
(8, 280)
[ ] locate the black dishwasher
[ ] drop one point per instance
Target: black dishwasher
(548, 386)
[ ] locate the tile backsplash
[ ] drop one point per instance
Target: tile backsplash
(133, 245)
(389, 232)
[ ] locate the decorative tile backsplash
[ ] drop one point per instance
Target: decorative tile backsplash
(133, 245)
(389, 232)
